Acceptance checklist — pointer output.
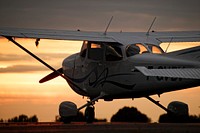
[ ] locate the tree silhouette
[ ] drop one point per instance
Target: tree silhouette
(79, 118)
(23, 118)
(33, 119)
(194, 119)
(129, 114)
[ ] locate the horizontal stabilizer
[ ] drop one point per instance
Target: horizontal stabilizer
(186, 73)
(189, 54)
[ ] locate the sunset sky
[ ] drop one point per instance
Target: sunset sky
(20, 91)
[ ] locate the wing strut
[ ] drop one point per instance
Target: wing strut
(158, 104)
(44, 63)
(34, 56)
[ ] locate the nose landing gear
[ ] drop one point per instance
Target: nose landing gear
(90, 114)
(68, 110)
(89, 111)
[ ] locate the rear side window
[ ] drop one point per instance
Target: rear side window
(155, 49)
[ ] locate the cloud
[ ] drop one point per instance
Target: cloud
(94, 14)
(13, 57)
(33, 98)
(22, 69)
(44, 56)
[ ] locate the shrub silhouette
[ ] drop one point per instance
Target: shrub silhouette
(129, 114)
(80, 118)
(24, 118)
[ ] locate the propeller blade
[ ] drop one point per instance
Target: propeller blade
(51, 76)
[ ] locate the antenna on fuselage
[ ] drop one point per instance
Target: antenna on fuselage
(108, 25)
(147, 34)
(168, 45)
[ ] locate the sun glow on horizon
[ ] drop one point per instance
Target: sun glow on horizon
(21, 92)
(178, 45)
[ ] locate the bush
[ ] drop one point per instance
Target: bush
(128, 114)
(24, 118)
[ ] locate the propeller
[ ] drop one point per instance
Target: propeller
(51, 76)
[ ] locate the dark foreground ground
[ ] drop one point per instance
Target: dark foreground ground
(99, 128)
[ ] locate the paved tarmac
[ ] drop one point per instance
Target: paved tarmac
(99, 128)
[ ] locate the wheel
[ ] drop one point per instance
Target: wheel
(66, 120)
(89, 114)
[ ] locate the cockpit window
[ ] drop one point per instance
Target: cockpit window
(95, 51)
(134, 49)
(101, 50)
(113, 53)
(155, 49)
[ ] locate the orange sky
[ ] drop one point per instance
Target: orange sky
(20, 91)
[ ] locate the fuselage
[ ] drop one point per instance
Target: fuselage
(110, 68)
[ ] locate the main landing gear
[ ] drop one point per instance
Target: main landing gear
(174, 109)
(158, 104)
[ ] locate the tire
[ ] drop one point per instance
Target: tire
(66, 120)
(89, 114)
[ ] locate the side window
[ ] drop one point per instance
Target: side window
(134, 49)
(143, 49)
(113, 53)
(155, 49)
(95, 51)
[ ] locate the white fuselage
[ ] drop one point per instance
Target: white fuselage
(118, 78)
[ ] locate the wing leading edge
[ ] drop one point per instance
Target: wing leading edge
(55, 34)
(121, 37)
(177, 36)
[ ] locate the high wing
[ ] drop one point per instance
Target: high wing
(185, 73)
(54, 34)
(121, 37)
(178, 36)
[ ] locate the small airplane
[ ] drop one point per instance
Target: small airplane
(118, 65)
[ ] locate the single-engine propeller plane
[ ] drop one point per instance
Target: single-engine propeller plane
(117, 65)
